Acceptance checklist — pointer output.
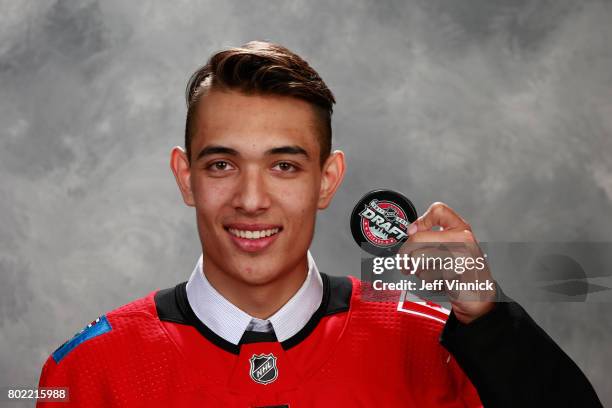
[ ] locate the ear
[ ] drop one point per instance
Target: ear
(182, 173)
(331, 177)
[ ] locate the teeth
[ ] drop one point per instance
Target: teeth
(253, 234)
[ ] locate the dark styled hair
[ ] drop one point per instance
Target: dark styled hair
(265, 68)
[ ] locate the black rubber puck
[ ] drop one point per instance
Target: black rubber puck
(380, 220)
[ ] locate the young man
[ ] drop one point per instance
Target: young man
(257, 325)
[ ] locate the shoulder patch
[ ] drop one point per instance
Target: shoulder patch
(93, 329)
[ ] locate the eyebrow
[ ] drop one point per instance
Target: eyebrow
(216, 149)
(287, 150)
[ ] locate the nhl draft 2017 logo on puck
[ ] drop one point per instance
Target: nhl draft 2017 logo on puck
(263, 368)
(380, 220)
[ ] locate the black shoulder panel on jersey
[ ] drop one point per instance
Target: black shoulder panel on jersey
(340, 289)
(167, 305)
(172, 306)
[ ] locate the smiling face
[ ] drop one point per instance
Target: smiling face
(256, 182)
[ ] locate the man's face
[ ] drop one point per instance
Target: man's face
(256, 183)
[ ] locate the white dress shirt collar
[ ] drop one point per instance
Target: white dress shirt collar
(229, 322)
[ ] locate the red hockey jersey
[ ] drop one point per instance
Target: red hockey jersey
(352, 353)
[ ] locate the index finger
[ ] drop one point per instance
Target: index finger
(439, 214)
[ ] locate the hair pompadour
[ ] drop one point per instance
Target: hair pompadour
(265, 68)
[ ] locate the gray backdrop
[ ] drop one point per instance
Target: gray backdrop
(502, 109)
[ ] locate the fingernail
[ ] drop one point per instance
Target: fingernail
(412, 229)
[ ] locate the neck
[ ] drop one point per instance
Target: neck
(257, 300)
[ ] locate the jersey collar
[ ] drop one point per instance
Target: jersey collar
(230, 323)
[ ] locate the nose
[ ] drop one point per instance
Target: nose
(251, 196)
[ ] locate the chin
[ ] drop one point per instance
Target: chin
(256, 276)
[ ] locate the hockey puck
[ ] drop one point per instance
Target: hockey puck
(380, 220)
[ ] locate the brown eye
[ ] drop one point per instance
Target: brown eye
(285, 167)
(220, 166)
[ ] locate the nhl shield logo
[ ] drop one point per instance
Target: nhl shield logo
(263, 368)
